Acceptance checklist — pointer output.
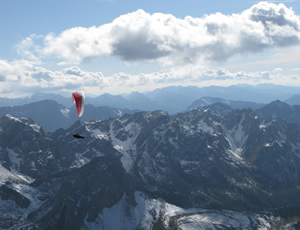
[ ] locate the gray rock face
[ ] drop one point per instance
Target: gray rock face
(205, 158)
(278, 109)
(7, 193)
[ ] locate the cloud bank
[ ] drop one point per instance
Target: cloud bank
(21, 80)
(170, 40)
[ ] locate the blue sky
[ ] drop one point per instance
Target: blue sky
(114, 46)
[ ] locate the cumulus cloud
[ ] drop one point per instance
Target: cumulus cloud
(165, 38)
(10, 71)
(277, 70)
(21, 78)
(28, 47)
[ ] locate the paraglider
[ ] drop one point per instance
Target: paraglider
(78, 99)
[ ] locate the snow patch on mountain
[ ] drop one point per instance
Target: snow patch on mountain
(266, 124)
(96, 133)
(29, 123)
(118, 113)
(126, 217)
(147, 212)
(31, 193)
(269, 144)
(15, 162)
(36, 128)
(224, 220)
(236, 138)
(65, 112)
(282, 139)
(80, 160)
(126, 147)
(13, 214)
(11, 117)
(6, 175)
(200, 127)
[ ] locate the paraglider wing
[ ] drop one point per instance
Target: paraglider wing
(78, 98)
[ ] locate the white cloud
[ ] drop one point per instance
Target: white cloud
(277, 70)
(10, 71)
(179, 43)
(170, 40)
(78, 43)
(22, 78)
(28, 47)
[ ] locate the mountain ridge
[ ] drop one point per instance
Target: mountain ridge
(53, 116)
(196, 159)
(164, 166)
(164, 98)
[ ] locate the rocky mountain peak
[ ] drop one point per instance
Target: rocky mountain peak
(19, 130)
(204, 158)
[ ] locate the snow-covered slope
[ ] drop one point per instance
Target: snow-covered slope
(156, 213)
(150, 170)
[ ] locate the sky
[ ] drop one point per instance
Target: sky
(120, 46)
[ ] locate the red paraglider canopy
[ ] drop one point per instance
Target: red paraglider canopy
(78, 98)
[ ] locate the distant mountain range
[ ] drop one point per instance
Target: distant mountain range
(53, 116)
(175, 99)
(206, 101)
(294, 100)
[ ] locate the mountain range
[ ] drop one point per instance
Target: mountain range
(213, 167)
(53, 116)
(174, 99)
(206, 101)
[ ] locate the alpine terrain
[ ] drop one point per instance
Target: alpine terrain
(209, 168)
